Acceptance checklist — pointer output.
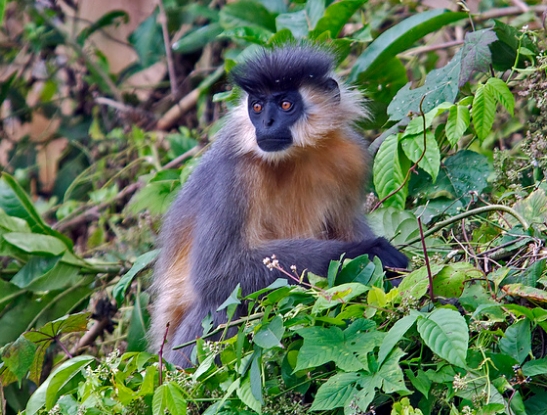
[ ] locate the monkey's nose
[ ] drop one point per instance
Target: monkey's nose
(269, 122)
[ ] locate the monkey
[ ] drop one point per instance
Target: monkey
(285, 176)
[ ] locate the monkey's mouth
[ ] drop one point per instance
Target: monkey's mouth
(271, 144)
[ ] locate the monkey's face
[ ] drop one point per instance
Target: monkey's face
(272, 116)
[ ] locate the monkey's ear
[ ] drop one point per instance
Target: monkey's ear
(332, 86)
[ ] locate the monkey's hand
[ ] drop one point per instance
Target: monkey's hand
(381, 248)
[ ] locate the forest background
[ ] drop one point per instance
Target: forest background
(106, 107)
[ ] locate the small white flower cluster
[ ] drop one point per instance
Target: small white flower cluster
(271, 262)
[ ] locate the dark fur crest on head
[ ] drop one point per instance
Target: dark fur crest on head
(284, 68)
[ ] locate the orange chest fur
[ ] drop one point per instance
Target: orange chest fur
(315, 194)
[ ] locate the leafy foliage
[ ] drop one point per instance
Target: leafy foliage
(463, 148)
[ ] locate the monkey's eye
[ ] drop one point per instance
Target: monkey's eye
(257, 107)
(286, 105)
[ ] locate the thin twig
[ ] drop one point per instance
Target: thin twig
(160, 354)
(476, 211)
(432, 48)
(506, 11)
(221, 328)
(426, 257)
(168, 50)
(93, 212)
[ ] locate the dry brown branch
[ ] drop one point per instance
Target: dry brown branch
(184, 105)
(506, 11)
(89, 337)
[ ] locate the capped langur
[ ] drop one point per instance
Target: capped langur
(285, 177)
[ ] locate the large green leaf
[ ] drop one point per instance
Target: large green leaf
(169, 397)
(336, 391)
(36, 243)
(502, 94)
(476, 55)
(296, 22)
(446, 333)
(348, 348)
(483, 111)
(389, 174)
(398, 39)
(270, 334)
(457, 123)
(197, 39)
(336, 16)
(147, 39)
(517, 341)
(15, 202)
(47, 393)
(413, 146)
(247, 13)
(395, 334)
(440, 85)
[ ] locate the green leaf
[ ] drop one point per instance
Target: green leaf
(47, 393)
(394, 335)
(440, 85)
(502, 94)
(449, 282)
(445, 332)
(483, 111)
(476, 55)
(18, 357)
(296, 22)
(256, 35)
(504, 51)
(315, 9)
(156, 197)
(125, 281)
(517, 340)
(245, 393)
(413, 147)
(535, 367)
(246, 13)
(13, 224)
(388, 173)
(34, 268)
(421, 382)
(2, 10)
(197, 39)
(270, 334)
(15, 202)
(398, 39)
(457, 123)
(147, 40)
(136, 333)
(255, 377)
(391, 373)
(336, 295)
(537, 404)
(36, 243)
(466, 171)
(169, 396)
(335, 17)
(336, 391)
(348, 348)
(113, 17)
(61, 276)
(415, 284)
